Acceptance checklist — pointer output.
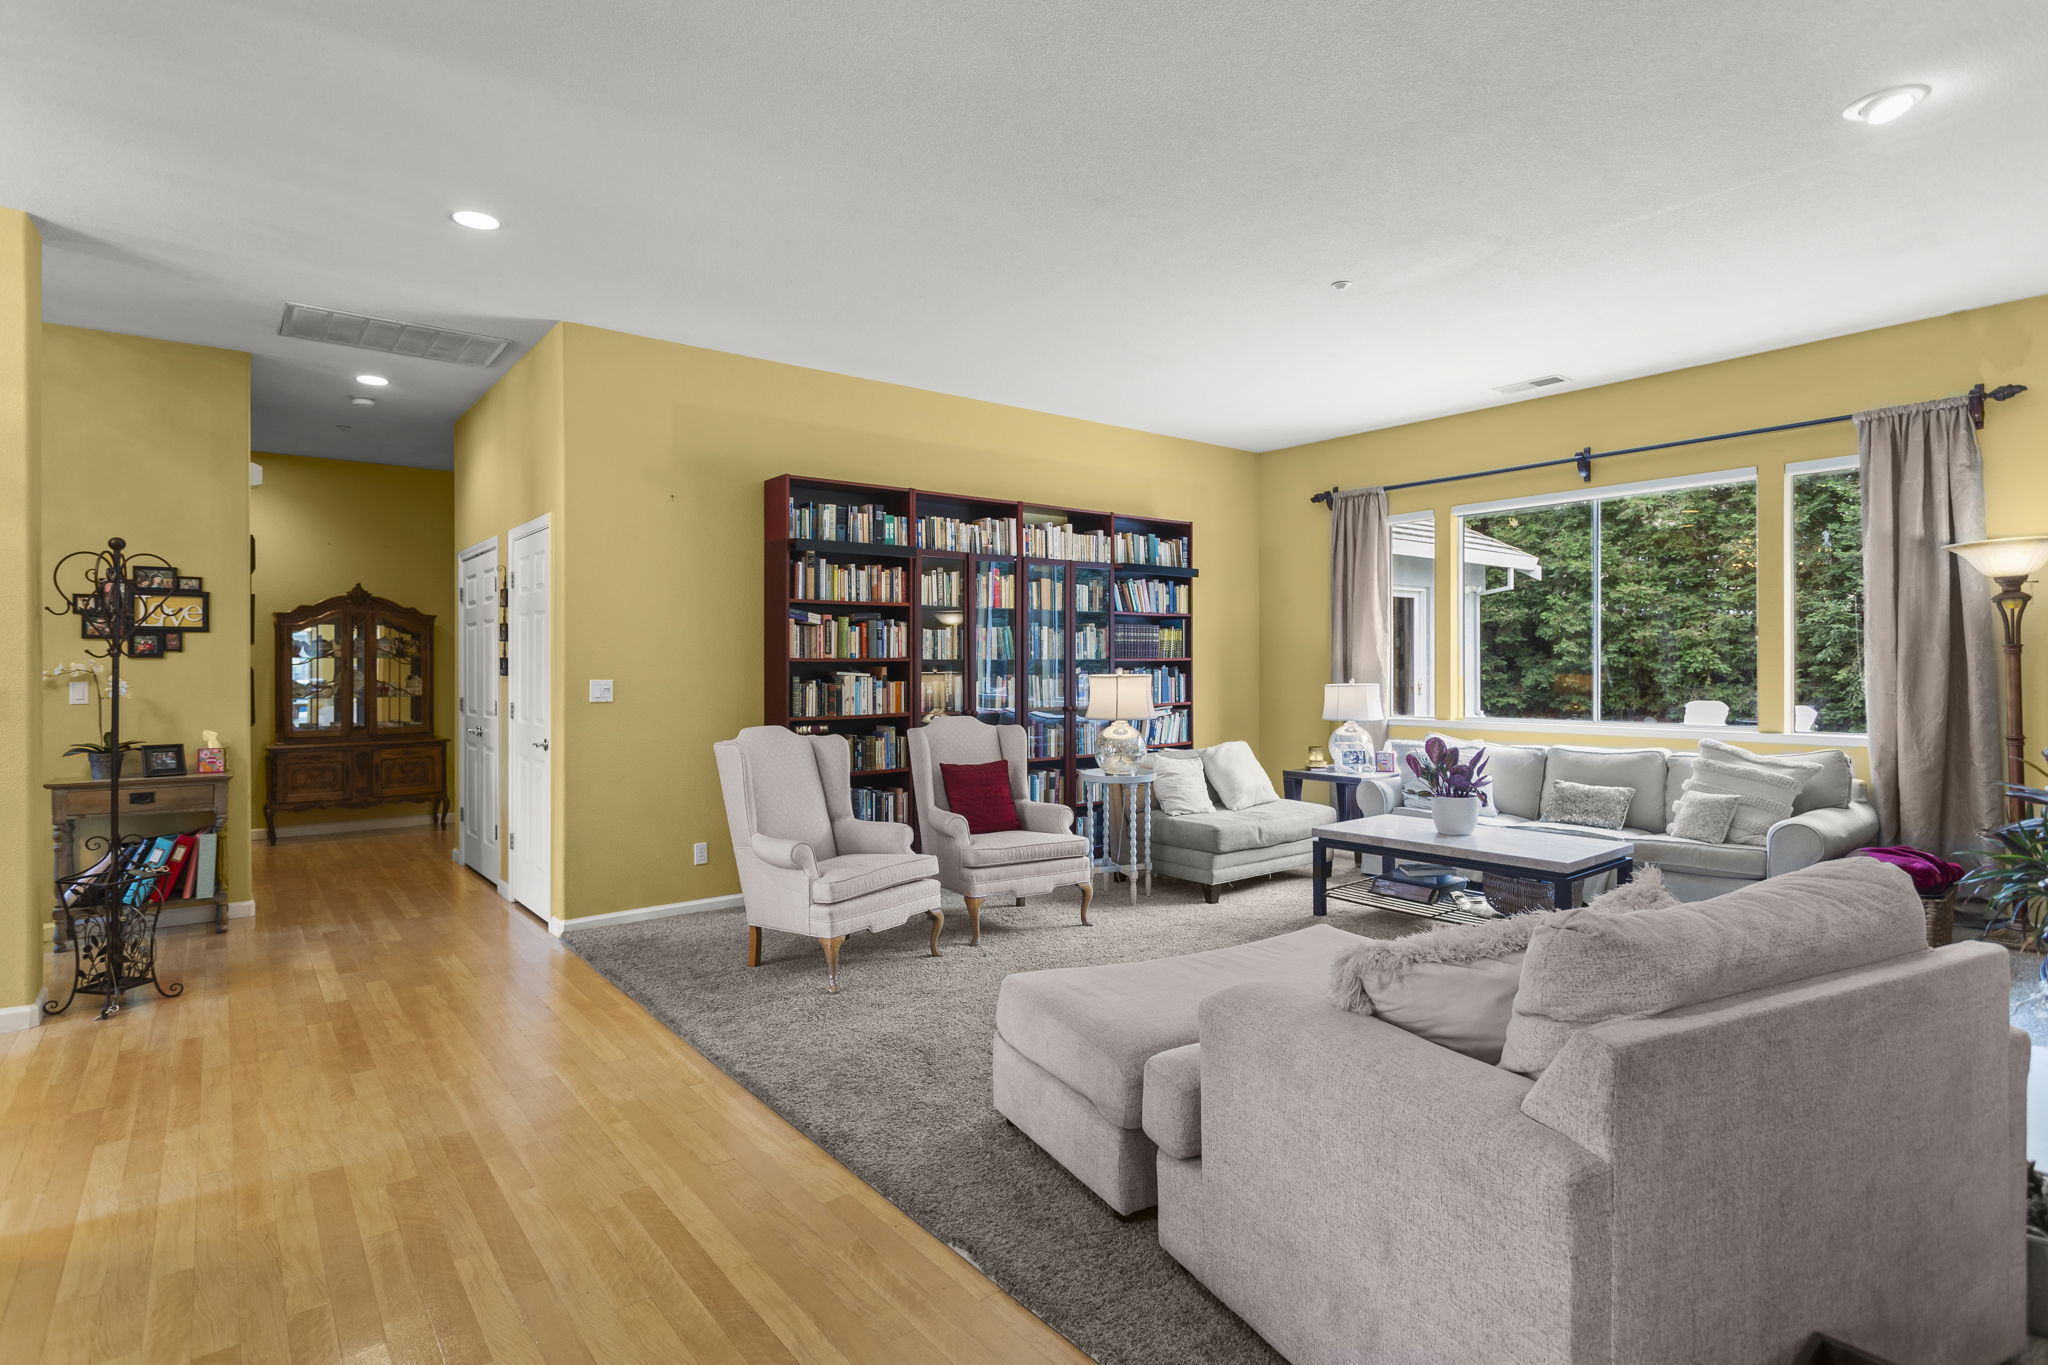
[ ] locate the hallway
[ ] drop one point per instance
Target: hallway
(392, 1119)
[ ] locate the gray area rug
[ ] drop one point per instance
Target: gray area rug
(892, 1077)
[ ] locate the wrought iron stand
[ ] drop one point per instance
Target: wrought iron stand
(109, 914)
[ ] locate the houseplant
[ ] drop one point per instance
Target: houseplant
(1456, 787)
(2013, 879)
(101, 757)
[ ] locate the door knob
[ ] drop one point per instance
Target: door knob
(541, 744)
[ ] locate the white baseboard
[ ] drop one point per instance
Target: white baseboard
(15, 1018)
(558, 927)
(343, 827)
(203, 914)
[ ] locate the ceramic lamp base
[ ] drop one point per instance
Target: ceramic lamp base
(1351, 747)
(1120, 749)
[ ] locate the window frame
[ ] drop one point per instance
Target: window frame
(1832, 464)
(1424, 661)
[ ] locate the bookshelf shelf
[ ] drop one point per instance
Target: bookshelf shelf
(1011, 606)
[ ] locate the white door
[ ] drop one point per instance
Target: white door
(476, 708)
(527, 716)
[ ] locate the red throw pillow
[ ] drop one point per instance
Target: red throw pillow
(979, 793)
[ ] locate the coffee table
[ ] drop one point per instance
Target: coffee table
(1565, 861)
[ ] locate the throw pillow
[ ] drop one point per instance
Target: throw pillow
(1767, 793)
(1575, 803)
(979, 793)
(1646, 892)
(1585, 967)
(1234, 771)
(1454, 986)
(1178, 786)
(1826, 779)
(1705, 816)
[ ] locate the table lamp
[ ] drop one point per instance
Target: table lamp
(2009, 562)
(1120, 698)
(1351, 744)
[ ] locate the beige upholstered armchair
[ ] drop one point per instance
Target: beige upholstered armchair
(1043, 855)
(806, 865)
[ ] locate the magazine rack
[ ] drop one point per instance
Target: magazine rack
(110, 919)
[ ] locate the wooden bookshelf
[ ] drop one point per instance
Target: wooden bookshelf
(1030, 599)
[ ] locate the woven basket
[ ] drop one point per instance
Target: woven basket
(1941, 919)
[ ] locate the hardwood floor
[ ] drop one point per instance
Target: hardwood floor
(392, 1119)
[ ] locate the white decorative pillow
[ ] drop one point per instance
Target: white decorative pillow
(1705, 816)
(1454, 986)
(1178, 784)
(1767, 792)
(1234, 771)
(1826, 779)
(1576, 803)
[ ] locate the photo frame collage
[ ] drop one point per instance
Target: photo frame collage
(169, 606)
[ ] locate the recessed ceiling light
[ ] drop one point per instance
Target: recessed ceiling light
(1340, 284)
(471, 218)
(362, 400)
(1885, 105)
(375, 381)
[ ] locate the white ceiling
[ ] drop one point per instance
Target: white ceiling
(1126, 212)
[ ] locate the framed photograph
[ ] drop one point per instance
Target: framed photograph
(187, 587)
(177, 611)
(95, 625)
(1383, 761)
(174, 642)
(154, 578)
(213, 760)
(163, 760)
(83, 602)
(145, 644)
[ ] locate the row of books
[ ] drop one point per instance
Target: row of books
(823, 581)
(995, 588)
(995, 692)
(1153, 594)
(881, 749)
(1047, 642)
(1044, 594)
(941, 692)
(1091, 640)
(1151, 640)
(1169, 727)
(186, 866)
(985, 536)
(890, 805)
(1059, 540)
(1046, 785)
(939, 644)
(1140, 547)
(867, 523)
(1168, 684)
(1045, 738)
(1091, 593)
(846, 694)
(939, 587)
(994, 644)
(1043, 693)
(816, 635)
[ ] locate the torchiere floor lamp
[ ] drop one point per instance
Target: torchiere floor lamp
(2009, 562)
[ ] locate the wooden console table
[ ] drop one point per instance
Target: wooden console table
(194, 795)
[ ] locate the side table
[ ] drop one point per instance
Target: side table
(1343, 786)
(201, 798)
(1136, 816)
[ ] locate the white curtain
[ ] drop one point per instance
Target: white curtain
(1362, 592)
(1930, 633)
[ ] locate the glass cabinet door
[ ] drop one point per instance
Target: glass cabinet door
(395, 682)
(995, 641)
(313, 673)
(1045, 660)
(942, 637)
(1091, 646)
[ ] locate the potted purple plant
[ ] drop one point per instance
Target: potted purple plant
(1456, 787)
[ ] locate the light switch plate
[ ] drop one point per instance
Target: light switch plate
(600, 689)
(81, 694)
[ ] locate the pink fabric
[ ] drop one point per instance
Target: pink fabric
(1931, 875)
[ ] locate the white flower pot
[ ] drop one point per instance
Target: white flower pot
(1455, 815)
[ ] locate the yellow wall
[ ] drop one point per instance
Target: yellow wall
(1903, 364)
(658, 567)
(321, 527)
(149, 440)
(24, 807)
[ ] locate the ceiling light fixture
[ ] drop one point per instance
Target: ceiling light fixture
(362, 400)
(375, 381)
(472, 218)
(1340, 284)
(1885, 105)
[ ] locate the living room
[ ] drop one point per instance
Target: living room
(799, 809)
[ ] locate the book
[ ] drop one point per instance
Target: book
(168, 886)
(204, 867)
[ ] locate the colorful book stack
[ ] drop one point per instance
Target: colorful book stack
(940, 644)
(1045, 738)
(996, 693)
(995, 588)
(1153, 594)
(816, 635)
(878, 751)
(1139, 547)
(994, 643)
(987, 536)
(942, 692)
(1091, 592)
(888, 805)
(184, 866)
(1091, 640)
(1167, 727)
(1059, 540)
(847, 694)
(1048, 641)
(1168, 684)
(939, 587)
(1047, 786)
(814, 579)
(866, 524)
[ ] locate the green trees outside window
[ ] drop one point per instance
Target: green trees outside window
(1827, 599)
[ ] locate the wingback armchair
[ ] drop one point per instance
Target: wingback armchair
(1042, 856)
(807, 866)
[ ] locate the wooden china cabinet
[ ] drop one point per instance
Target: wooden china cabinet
(355, 709)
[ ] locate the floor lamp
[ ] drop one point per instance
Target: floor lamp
(2009, 562)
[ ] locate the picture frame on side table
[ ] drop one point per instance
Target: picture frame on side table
(163, 760)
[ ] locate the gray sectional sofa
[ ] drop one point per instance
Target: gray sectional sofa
(1832, 817)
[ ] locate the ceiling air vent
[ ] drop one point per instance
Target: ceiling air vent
(1541, 381)
(308, 323)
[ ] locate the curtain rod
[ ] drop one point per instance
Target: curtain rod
(1584, 459)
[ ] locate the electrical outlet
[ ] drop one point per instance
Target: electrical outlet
(81, 694)
(703, 853)
(600, 689)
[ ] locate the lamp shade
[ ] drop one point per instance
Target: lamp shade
(2007, 557)
(1120, 696)
(1352, 701)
